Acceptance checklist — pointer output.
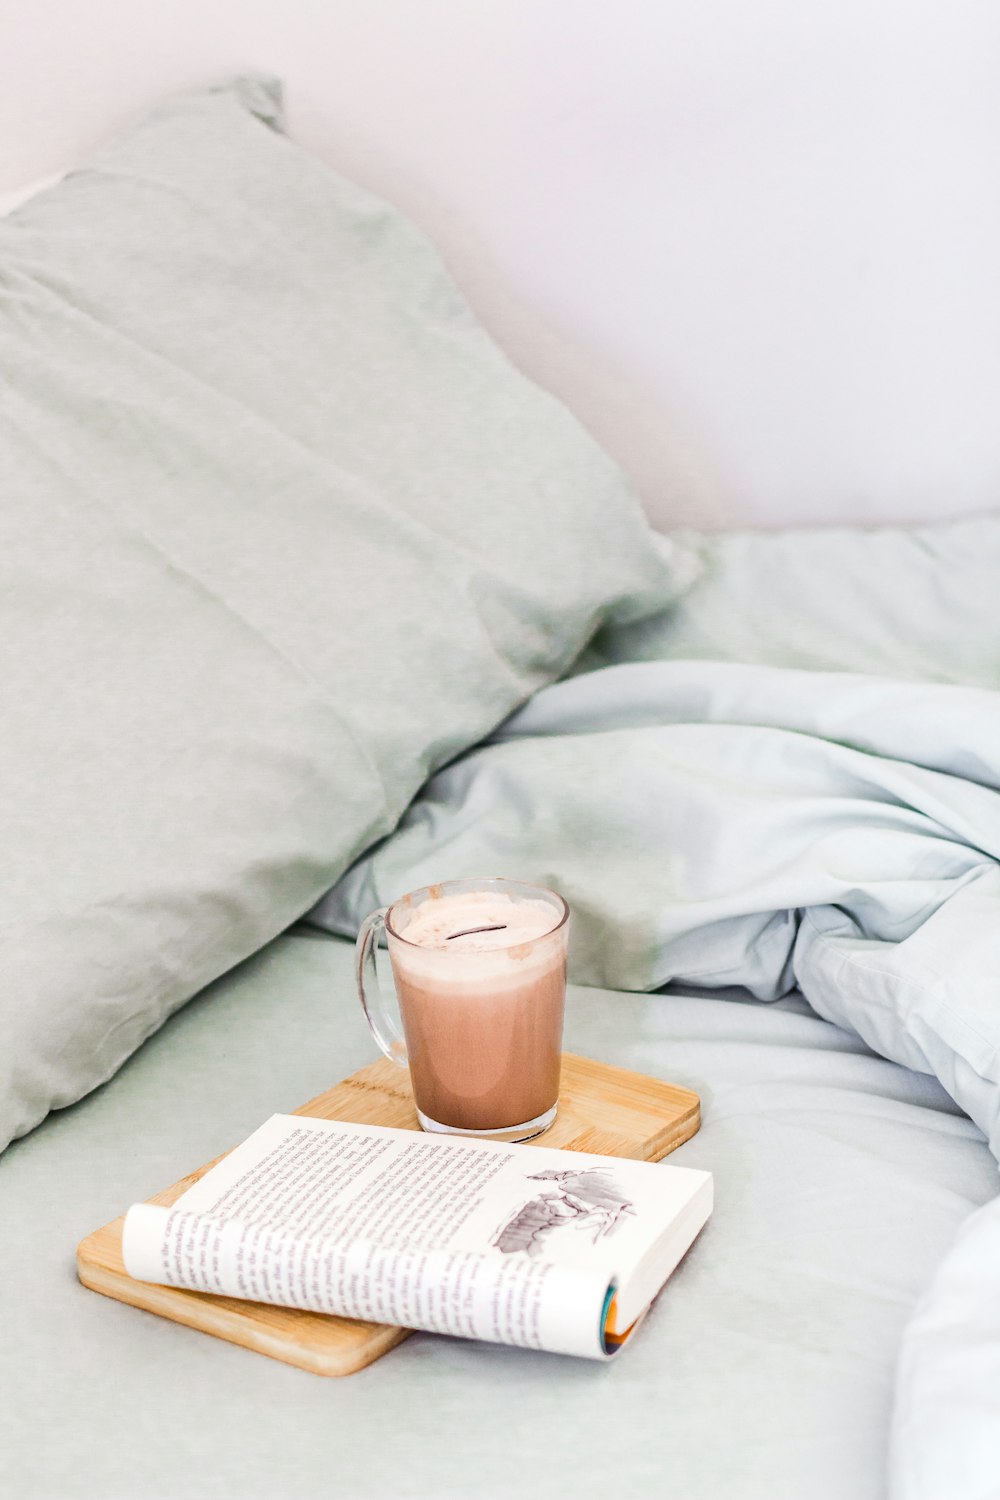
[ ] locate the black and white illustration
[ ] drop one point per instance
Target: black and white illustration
(588, 1200)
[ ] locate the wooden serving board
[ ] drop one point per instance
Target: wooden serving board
(602, 1109)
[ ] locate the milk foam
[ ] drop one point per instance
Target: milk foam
(450, 921)
(439, 950)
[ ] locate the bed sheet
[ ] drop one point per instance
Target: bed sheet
(765, 1369)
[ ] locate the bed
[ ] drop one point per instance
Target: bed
(768, 1364)
(828, 1308)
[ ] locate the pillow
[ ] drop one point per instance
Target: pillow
(280, 532)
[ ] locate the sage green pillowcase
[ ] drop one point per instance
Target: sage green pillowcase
(280, 531)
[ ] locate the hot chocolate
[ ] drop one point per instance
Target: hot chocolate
(480, 970)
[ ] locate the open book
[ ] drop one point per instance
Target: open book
(547, 1249)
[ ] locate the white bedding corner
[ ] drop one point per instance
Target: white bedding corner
(11, 198)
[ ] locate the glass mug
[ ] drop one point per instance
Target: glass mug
(480, 973)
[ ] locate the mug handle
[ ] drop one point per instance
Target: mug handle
(381, 1024)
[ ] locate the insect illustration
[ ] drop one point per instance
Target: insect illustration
(587, 1199)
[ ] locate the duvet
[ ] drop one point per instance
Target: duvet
(789, 777)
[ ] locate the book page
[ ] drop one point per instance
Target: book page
(477, 1239)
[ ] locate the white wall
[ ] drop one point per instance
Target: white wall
(754, 245)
